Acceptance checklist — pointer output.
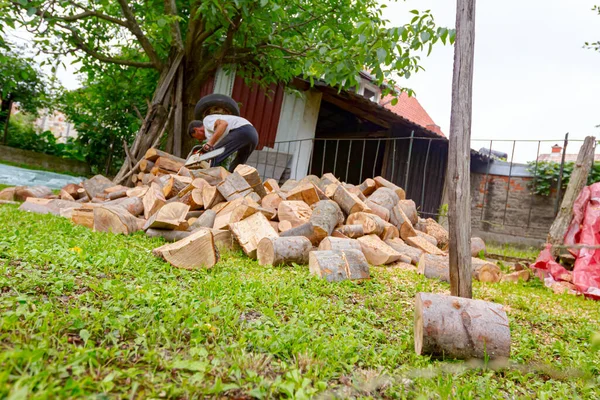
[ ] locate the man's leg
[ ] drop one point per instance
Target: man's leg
(242, 140)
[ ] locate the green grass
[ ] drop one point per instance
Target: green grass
(87, 314)
(506, 250)
(40, 168)
(3, 186)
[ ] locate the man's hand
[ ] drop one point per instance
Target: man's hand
(206, 148)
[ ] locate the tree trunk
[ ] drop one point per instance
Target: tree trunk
(6, 109)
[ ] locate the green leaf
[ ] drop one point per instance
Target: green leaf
(425, 36)
(381, 54)
(84, 334)
(394, 101)
(31, 11)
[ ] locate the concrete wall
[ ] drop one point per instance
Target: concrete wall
(526, 219)
(44, 161)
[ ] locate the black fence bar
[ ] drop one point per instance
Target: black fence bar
(412, 134)
(425, 174)
(362, 160)
(532, 192)
(376, 156)
(512, 157)
(348, 162)
(560, 175)
(485, 183)
(337, 147)
(393, 160)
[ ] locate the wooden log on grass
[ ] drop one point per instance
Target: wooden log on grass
(438, 267)
(349, 202)
(21, 193)
(438, 232)
(412, 253)
(234, 186)
(377, 251)
(250, 231)
(283, 250)
(477, 246)
(296, 212)
(116, 220)
(8, 193)
(333, 243)
(153, 200)
(83, 216)
(195, 251)
(168, 235)
(455, 327)
(325, 217)
(96, 185)
(338, 265)
(170, 216)
(352, 231)
(423, 244)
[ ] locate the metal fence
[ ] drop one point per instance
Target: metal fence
(502, 188)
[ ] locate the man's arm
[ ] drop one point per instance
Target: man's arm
(220, 128)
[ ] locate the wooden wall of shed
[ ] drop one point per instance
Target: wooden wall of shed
(426, 174)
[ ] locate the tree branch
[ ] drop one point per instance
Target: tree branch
(171, 9)
(137, 32)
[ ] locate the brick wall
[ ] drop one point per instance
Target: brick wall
(527, 218)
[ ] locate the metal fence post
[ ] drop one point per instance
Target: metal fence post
(534, 183)
(560, 175)
(512, 158)
(485, 184)
(412, 134)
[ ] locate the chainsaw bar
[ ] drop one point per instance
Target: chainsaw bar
(197, 158)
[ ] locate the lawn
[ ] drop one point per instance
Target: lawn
(92, 314)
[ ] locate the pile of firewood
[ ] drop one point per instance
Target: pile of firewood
(337, 228)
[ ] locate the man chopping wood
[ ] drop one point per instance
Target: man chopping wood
(234, 134)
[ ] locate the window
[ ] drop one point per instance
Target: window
(369, 91)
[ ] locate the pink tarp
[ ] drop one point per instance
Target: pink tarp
(584, 230)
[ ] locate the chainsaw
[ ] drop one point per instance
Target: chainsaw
(198, 160)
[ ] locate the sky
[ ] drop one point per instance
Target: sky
(532, 79)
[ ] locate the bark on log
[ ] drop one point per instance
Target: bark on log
(251, 175)
(427, 237)
(485, 271)
(333, 243)
(389, 232)
(371, 223)
(422, 244)
(307, 230)
(352, 231)
(406, 250)
(21, 193)
(385, 197)
(477, 246)
(74, 190)
(401, 221)
(455, 327)
(378, 210)
(175, 184)
(64, 195)
(146, 165)
(172, 165)
(96, 185)
(116, 220)
(170, 216)
(338, 265)
(168, 235)
(206, 220)
(118, 194)
(325, 217)
(153, 200)
(194, 214)
(134, 205)
(381, 182)
(438, 232)
(8, 193)
(197, 250)
(377, 251)
(213, 176)
(306, 193)
(250, 231)
(410, 210)
(349, 202)
(438, 267)
(283, 250)
(295, 211)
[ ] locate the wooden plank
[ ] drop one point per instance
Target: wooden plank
(458, 172)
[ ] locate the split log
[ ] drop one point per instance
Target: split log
(118, 194)
(251, 175)
(355, 191)
(254, 197)
(213, 176)
(146, 165)
(224, 240)
(64, 195)
(438, 232)
(348, 202)
(194, 214)
(338, 265)
(175, 184)
(168, 164)
(206, 220)
(381, 182)
(116, 220)
(330, 189)
(192, 252)
(83, 216)
(410, 210)
(147, 179)
(385, 197)
(389, 232)
(438, 267)
(325, 217)
(196, 183)
(275, 225)
(283, 226)
(477, 247)
(422, 244)
(309, 179)
(376, 251)
(307, 230)
(153, 200)
(246, 209)
(283, 250)
(378, 210)
(368, 187)
(271, 185)
(352, 231)
(250, 231)
(268, 212)
(289, 185)
(194, 199)
(333, 243)
(74, 190)
(401, 221)
(168, 235)
(134, 205)
(306, 193)
(485, 271)
(421, 225)
(211, 196)
(96, 185)
(8, 193)
(170, 216)
(233, 187)
(224, 211)
(21, 193)
(272, 200)
(295, 211)
(329, 178)
(371, 223)
(153, 154)
(456, 327)
(338, 234)
(412, 253)
(427, 237)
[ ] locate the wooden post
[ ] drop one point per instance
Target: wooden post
(178, 123)
(577, 182)
(457, 175)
